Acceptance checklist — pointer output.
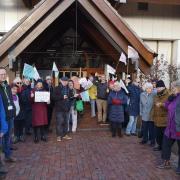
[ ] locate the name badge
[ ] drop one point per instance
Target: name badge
(10, 108)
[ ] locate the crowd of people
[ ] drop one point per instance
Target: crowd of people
(157, 108)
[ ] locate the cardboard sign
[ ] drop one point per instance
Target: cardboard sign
(41, 96)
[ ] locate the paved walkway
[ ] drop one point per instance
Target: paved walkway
(90, 155)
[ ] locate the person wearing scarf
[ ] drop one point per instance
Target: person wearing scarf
(172, 131)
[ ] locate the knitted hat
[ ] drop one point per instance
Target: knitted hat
(64, 78)
(160, 83)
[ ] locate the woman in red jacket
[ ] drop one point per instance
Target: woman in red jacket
(39, 114)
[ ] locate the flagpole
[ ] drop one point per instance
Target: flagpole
(127, 67)
(117, 65)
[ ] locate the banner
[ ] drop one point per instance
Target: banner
(28, 71)
(86, 84)
(123, 86)
(110, 69)
(36, 74)
(85, 96)
(55, 70)
(41, 96)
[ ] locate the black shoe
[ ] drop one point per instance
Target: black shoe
(140, 135)
(133, 134)
(36, 140)
(43, 138)
(178, 170)
(143, 142)
(157, 148)
(13, 148)
(21, 139)
(3, 169)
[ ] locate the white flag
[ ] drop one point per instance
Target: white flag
(123, 86)
(55, 69)
(123, 58)
(110, 69)
(36, 74)
(132, 53)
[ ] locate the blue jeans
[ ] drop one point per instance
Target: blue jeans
(93, 109)
(7, 139)
(131, 127)
(62, 120)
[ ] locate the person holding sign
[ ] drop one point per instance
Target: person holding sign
(39, 112)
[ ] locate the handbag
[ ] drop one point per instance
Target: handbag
(79, 105)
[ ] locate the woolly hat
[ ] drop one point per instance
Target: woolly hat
(160, 83)
(64, 78)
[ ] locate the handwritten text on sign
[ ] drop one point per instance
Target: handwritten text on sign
(42, 97)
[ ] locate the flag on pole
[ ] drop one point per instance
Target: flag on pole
(36, 74)
(123, 58)
(55, 69)
(132, 53)
(28, 71)
(110, 69)
(123, 86)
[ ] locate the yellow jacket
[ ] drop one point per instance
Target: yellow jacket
(93, 92)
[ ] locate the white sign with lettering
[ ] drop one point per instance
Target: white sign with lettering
(42, 96)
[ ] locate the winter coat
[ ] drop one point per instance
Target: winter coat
(101, 90)
(170, 130)
(39, 113)
(146, 104)
(177, 117)
(116, 102)
(160, 112)
(7, 99)
(134, 99)
(61, 104)
(92, 92)
(49, 89)
(3, 122)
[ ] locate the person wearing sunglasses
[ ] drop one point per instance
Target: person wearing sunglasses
(18, 82)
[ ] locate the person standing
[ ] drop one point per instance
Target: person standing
(116, 100)
(48, 87)
(61, 97)
(93, 95)
(160, 113)
(172, 131)
(26, 106)
(133, 107)
(3, 130)
(146, 104)
(102, 94)
(10, 110)
(39, 113)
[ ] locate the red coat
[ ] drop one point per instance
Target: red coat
(39, 114)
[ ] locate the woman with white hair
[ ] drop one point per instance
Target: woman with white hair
(146, 104)
(116, 100)
(172, 131)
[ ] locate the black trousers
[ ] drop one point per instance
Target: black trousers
(115, 128)
(18, 127)
(166, 148)
(148, 131)
(159, 133)
(41, 129)
(49, 115)
(28, 121)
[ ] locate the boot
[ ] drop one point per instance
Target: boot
(36, 140)
(120, 133)
(3, 169)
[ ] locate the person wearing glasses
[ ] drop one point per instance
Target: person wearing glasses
(10, 110)
(18, 82)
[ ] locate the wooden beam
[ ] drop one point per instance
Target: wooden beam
(164, 2)
(21, 28)
(121, 27)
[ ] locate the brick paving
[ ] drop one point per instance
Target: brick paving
(89, 155)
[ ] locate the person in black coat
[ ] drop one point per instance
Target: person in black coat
(26, 106)
(10, 111)
(48, 87)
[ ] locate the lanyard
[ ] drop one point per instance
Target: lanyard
(5, 91)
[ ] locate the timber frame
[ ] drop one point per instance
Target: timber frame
(47, 11)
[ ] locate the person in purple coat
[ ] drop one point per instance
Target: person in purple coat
(171, 135)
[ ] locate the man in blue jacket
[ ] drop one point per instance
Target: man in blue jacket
(3, 130)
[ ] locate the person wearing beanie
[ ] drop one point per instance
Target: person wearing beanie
(160, 113)
(146, 104)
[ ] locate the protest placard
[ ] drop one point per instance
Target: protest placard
(42, 96)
